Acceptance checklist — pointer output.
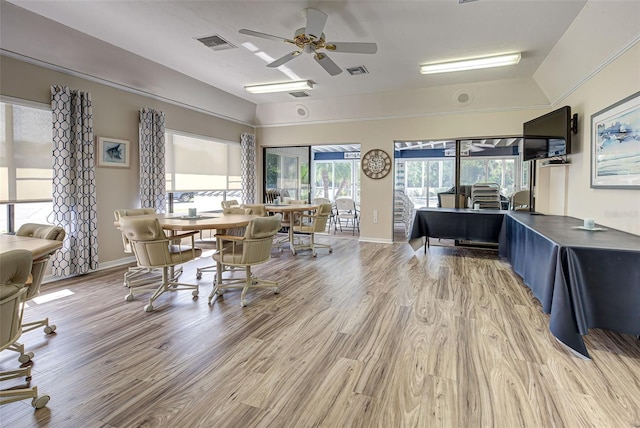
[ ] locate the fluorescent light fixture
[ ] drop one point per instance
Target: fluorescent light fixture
(471, 64)
(301, 85)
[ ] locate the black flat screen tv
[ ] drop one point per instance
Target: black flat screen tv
(548, 136)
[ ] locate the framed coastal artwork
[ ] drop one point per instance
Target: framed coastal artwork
(113, 152)
(615, 145)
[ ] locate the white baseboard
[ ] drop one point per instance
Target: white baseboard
(101, 266)
(375, 240)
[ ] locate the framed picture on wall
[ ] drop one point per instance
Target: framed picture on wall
(615, 145)
(112, 152)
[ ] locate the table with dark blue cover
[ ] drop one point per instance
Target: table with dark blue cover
(584, 279)
(457, 223)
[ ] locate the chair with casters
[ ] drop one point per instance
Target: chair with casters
(154, 250)
(244, 252)
(256, 209)
(320, 201)
(39, 265)
(135, 273)
(346, 213)
(238, 231)
(519, 201)
(317, 222)
(230, 203)
(15, 269)
(448, 200)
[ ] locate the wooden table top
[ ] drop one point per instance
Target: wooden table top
(286, 208)
(204, 222)
(38, 247)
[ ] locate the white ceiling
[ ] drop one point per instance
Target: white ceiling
(408, 33)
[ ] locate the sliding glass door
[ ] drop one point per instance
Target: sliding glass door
(287, 172)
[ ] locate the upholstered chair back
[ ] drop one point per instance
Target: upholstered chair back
(15, 268)
(256, 209)
(230, 203)
(237, 210)
(41, 231)
(256, 248)
(118, 214)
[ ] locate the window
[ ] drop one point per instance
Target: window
(201, 172)
(425, 178)
(287, 171)
(337, 178)
(26, 164)
(490, 170)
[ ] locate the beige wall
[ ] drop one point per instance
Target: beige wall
(381, 134)
(115, 114)
(616, 208)
(560, 190)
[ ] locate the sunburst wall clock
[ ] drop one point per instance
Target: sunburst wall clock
(376, 164)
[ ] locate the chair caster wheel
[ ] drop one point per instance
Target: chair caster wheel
(40, 402)
(128, 297)
(148, 308)
(199, 275)
(243, 303)
(195, 293)
(25, 358)
(50, 329)
(276, 291)
(315, 255)
(330, 251)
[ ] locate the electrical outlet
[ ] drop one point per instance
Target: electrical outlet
(375, 216)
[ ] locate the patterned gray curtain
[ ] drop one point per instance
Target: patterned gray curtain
(248, 165)
(74, 187)
(152, 167)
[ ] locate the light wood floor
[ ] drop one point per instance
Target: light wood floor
(373, 335)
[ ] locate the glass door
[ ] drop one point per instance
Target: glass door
(287, 172)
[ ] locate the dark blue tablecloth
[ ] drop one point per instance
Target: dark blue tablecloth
(584, 279)
(458, 223)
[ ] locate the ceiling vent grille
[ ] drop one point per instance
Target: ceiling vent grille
(216, 42)
(299, 94)
(355, 71)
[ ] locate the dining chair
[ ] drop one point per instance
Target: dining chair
(519, 201)
(347, 213)
(252, 249)
(229, 203)
(15, 270)
(256, 209)
(154, 250)
(39, 265)
(317, 222)
(135, 273)
(320, 201)
(237, 231)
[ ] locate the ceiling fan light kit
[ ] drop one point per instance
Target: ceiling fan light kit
(300, 85)
(471, 64)
(311, 40)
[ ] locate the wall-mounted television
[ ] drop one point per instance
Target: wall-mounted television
(549, 135)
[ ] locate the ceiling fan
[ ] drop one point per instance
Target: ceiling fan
(310, 39)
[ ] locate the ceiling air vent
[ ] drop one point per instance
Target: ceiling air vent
(298, 94)
(215, 42)
(354, 71)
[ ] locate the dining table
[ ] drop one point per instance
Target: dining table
(290, 209)
(40, 250)
(205, 221)
(38, 247)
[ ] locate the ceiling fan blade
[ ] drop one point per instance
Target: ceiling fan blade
(265, 36)
(315, 23)
(352, 47)
(288, 57)
(326, 63)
